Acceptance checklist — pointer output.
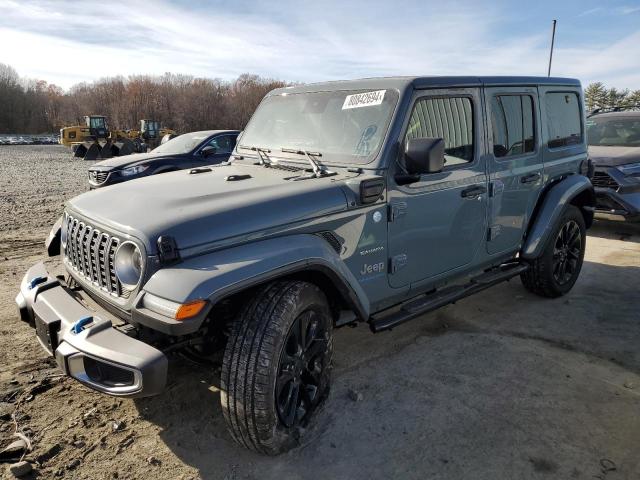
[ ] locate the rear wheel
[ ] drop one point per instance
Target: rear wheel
(276, 366)
(555, 272)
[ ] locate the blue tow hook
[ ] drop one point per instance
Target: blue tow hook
(36, 281)
(80, 324)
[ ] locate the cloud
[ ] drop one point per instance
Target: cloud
(616, 64)
(291, 40)
(591, 11)
(626, 10)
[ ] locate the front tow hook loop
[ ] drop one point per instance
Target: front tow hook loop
(36, 281)
(80, 324)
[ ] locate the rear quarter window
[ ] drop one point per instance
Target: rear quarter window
(563, 118)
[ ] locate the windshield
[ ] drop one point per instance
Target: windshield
(342, 126)
(614, 132)
(182, 143)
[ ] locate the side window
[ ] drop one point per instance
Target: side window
(449, 118)
(564, 120)
(512, 125)
(223, 143)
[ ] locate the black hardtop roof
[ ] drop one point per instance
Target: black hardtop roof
(402, 83)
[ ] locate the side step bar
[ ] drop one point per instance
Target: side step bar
(440, 298)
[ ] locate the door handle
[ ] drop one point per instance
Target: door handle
(531, 178)
(473, 192)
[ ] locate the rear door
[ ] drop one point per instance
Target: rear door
(564, 146)
(437, 223)
(515, 166)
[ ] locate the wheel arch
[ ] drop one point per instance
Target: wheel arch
(586, 202)
(339, 294)
(228, 273)
(572, 190)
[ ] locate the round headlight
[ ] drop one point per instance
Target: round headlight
(128, 265)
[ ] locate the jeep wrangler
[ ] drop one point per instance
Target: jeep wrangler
(375, 201)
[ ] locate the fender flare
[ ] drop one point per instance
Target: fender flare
(221, 273)
(550, 208)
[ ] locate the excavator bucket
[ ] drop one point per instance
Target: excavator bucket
(107, 150)
(125, 147)
(93, 153)
(79, 150)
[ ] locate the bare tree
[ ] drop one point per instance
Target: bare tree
(182, 102)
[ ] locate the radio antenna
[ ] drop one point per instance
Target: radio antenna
(553, 38)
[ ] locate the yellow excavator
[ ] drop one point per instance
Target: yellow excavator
(94, 140)
(150, 135)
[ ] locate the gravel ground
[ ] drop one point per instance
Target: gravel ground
(501, 385)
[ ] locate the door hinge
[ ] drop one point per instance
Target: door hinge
(398, 262)
(493, 232)
(397, 210)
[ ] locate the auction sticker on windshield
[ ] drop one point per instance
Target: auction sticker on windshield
(366, 99)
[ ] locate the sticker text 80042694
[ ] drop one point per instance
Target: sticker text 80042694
(366, 99)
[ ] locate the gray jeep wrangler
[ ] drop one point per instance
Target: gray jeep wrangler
(372, 201)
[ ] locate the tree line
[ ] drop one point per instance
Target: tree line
(596, 95)
(182, 102)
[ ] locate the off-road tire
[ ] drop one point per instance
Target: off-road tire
(540, 278)
(254, 358)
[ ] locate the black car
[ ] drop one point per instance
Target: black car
(614, 148)
(189, 150)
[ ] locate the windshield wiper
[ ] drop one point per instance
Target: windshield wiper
(318, 170)
(262, 154)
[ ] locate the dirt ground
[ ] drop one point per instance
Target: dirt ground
(500, 385)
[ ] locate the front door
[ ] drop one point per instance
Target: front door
(438, 223)
(515, 166)
(224, 145)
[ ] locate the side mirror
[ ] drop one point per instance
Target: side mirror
(424, 155)
(208, 150)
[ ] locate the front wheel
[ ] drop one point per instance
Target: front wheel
(276, 366)
(555, 272)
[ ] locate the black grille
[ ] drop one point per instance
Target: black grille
(91, 253)
(98, 176)
(603, 180)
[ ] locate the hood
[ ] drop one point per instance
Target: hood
(199, 209)
(117, 163)
(613, 156)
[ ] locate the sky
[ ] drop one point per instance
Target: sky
(70, 41)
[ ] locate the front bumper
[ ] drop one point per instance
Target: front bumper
(618, 197)
(85, 346)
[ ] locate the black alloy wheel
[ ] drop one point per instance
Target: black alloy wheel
(301, 378)
(566, 252)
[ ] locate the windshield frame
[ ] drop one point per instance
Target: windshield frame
(277, 155)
